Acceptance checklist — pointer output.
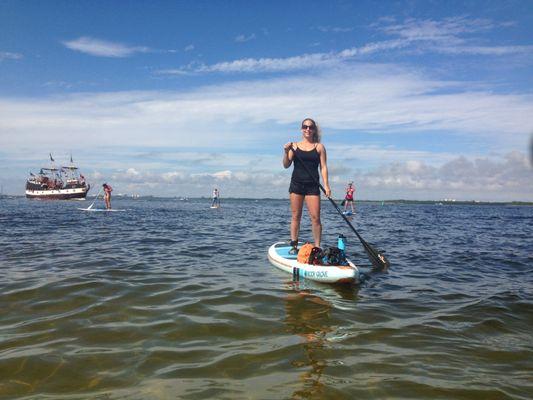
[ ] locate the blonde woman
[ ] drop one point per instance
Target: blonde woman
(304, 187)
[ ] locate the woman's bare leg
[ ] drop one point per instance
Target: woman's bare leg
(313, 206)
(297, 202)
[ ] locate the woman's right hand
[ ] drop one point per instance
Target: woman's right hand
(287, 159)
(288, 147)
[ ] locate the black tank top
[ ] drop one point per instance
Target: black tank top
(311, 159)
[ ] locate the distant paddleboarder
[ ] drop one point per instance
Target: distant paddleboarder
(216, 198)
(349, 198)
(107, 195)
(303, 186)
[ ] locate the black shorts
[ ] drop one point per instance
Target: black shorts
(304, 188)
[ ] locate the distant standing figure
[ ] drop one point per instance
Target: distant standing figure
(349, 198)
(216, 198)
(107, 195)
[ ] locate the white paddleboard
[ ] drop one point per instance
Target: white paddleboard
(100, 209)
(278, 255)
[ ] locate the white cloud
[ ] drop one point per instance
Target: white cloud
(334, 29)
(435, 30)
(132, 172)
(256, 65)
(244, 38)
(303, 62)
(103, 48)
(455, 35)
(221, 175)
(58, 84)
(190, 47)
(486, 50)
(6, 55)
(174, 176)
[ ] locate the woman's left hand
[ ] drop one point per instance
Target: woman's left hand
(328, 191)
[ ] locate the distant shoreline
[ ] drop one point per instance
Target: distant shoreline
(338, 201)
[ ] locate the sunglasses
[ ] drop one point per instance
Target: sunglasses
(304, 127)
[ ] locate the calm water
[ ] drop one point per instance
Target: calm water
(174, 300)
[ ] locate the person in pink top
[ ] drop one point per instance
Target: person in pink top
(107, 195)
(349, 198)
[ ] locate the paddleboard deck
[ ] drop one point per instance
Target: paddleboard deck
(100, 209)
(278, 255)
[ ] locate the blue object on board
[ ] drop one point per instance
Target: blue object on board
(341, 243)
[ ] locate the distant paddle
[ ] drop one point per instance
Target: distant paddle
(377, 258)
(92, 204)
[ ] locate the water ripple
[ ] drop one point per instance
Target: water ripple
(175, 300)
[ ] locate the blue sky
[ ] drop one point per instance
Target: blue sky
(416, 100)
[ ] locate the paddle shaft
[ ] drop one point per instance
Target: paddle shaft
(377, 259)
(96, 198)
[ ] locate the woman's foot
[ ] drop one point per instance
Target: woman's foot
(294, 247)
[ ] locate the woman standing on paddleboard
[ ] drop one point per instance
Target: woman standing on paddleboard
(216, 198)
(348, 199)
(107, 195)
(304, 180)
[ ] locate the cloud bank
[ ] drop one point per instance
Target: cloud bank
(455, 35)
(461, 178)
(370, 98)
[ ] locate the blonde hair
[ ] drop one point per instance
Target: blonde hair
(317, 132)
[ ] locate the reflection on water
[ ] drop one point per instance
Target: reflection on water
(309, 317)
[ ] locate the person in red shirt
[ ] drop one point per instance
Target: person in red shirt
(349, 198)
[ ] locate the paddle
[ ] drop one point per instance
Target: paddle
(92, 204)
(377, 259)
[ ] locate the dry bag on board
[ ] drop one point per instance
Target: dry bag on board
(304, 253)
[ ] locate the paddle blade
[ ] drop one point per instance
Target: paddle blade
(378, 259)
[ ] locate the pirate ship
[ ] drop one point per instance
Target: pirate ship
(55, 183)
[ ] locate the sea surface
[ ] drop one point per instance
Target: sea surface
(173, 300)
